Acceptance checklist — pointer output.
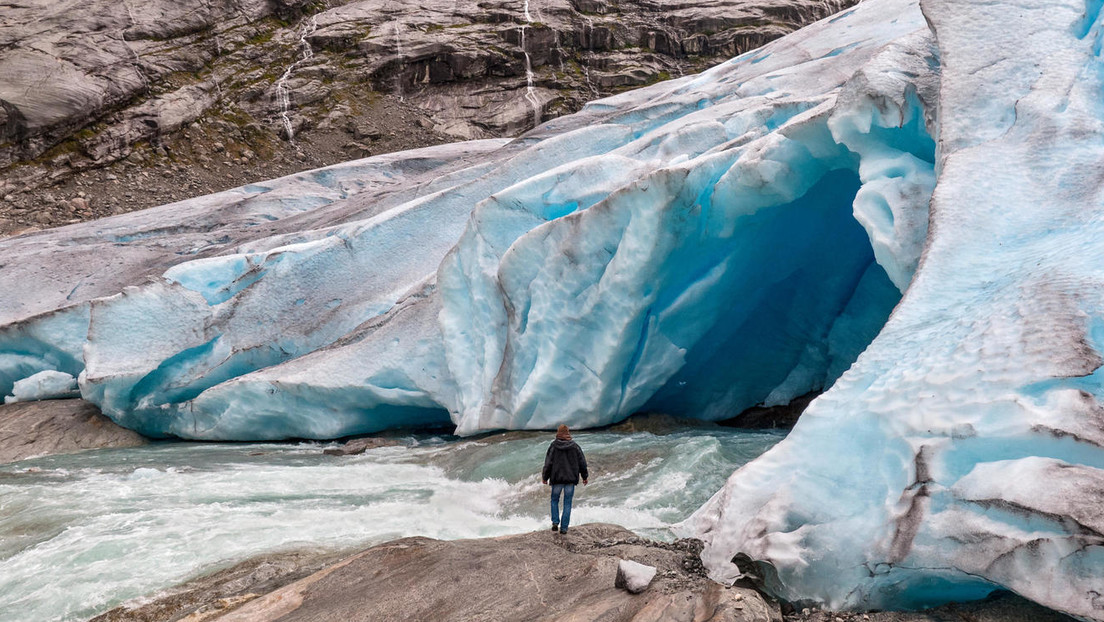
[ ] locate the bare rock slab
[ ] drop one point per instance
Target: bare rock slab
(31, 429)
(634, 577)
(533, 576)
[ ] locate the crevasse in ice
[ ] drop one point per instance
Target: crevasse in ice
(700, 246)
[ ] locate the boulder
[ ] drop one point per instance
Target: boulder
(31, 429)
(358, 446)
(634, 577)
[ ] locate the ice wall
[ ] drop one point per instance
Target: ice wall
(963, 451)
(698, 247)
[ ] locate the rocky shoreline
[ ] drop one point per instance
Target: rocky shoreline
(531, 576)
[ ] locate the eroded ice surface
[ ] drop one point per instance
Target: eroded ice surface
(46, 384)
(963, 451)
(698, 247)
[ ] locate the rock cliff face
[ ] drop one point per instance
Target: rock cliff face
(85, 84)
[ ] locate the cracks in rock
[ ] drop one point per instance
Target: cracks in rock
(532, 579)
(137, 58)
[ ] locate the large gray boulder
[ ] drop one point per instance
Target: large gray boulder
(32, 429)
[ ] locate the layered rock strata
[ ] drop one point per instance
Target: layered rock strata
(86, 84)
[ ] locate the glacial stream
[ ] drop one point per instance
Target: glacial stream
(82, 533)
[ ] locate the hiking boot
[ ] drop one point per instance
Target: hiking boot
(555, 526)
(563, 531)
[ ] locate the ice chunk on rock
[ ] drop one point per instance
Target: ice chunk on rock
(633, 576)
(44, 385)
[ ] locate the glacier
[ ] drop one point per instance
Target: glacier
(897, 205)
(698, 247)
(963, 450)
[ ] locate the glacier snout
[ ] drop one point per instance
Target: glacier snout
(697, 247)
(963, 452)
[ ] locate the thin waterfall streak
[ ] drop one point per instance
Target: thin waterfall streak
(530, 89)
(133, 52)
(399, 57)
(283, 93)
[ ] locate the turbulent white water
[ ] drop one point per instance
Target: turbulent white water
(81, 533)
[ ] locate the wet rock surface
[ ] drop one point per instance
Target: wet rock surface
(143, 104)
(212, 595)
(771, 417)
(31, 429)
(357, 446)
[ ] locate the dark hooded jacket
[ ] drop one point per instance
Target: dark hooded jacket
(564, 463)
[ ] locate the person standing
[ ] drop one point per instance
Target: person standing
(564, 463)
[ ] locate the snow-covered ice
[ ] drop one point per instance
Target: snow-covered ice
(963, 451)
(735, 238)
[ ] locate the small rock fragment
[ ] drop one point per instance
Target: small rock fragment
(358, 446)
(633, 576)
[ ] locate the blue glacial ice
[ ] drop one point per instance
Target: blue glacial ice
(962, 452)
(897, 204)
(698, 247)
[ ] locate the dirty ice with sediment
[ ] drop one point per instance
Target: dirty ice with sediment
(898, 204)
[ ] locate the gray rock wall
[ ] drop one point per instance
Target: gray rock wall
(83, 83)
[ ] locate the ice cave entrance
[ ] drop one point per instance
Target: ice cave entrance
(805, 300)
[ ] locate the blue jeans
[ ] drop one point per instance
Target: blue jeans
(568, 491)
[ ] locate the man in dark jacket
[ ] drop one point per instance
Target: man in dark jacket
(563, 464)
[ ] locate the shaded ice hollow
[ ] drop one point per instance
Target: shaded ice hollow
(697, 247)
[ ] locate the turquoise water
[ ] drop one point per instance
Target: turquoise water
(82, 533)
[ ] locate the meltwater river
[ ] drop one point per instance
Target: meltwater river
(81, 533)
